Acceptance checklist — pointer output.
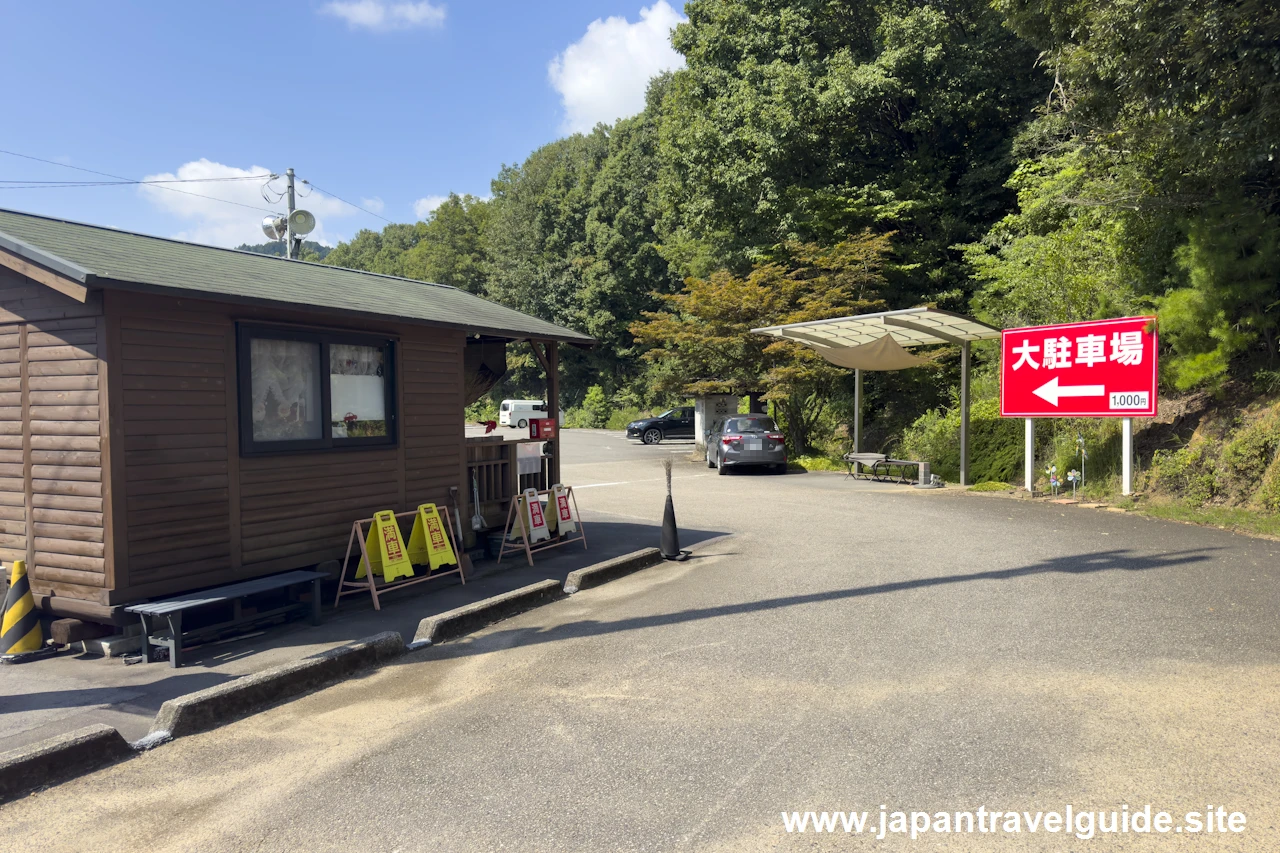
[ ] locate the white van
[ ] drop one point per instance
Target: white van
(518, 413)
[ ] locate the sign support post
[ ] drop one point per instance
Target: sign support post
(1126, 456)
(1029, 454)
(964, 413)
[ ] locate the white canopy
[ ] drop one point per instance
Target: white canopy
(882, 354)
(877, 341)
(908, 327)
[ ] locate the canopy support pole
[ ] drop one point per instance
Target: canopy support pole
(964, 413)
(1029, 455)
(857, 411)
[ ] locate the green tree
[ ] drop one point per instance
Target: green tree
(571, 239)
(701, 342)
(596, 407)
(1060, 256)
(381, 252)
(1175, 114)
(311, 251)
(803, 120)
(451, 245)
(1228, 307)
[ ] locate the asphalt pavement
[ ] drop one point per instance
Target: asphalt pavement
(846, 646)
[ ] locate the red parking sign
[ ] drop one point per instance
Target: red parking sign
(1096, 369)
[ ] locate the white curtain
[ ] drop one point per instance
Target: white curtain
(286, 389)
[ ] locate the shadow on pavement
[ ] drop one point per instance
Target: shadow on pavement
(84, 697)
(1082, 564)
(47, 697)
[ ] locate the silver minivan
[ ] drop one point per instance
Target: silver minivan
(746, 440)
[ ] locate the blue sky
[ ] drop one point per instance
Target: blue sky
(386, 103)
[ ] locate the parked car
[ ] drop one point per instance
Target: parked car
(673, 423)
(746, 440)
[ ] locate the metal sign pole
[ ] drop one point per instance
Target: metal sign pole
(1126, 456)
(1029, 453)
(964, 413)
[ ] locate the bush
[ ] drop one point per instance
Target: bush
(596, 407)
(1185, 472)
(577, 418)
(995, 443)
(816, 463)
(483, 409)
(1267, 497)
(1246, 457)
(621, 417)
(991, 486)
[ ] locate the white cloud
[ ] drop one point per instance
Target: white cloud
(382, 16)
(375, 204)
(209, 219)
(603, 76)
(424, 206)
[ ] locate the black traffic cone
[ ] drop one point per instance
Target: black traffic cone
(670, 533)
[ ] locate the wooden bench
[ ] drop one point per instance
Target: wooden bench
(171, 609)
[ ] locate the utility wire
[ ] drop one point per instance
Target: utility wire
(344, 201)
(88, 183)
(163, 184)
(131, 181)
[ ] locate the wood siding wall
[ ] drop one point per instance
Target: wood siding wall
(52, 489)
(196, 512)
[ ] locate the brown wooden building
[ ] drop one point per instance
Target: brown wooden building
(175, 416)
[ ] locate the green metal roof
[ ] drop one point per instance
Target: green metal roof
(106, 257)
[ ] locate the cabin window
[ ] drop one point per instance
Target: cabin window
(287, 403)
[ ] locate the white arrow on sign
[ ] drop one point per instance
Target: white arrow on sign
(1051, 391)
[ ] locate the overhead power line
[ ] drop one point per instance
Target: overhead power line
(344, 201)
(162, 183)
(87, 183)
(123, 180)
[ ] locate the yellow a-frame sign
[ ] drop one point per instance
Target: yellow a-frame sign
(385, 550)
(429, 541)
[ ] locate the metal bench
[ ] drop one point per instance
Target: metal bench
(880, 470)
(854, 462)
(173, 608)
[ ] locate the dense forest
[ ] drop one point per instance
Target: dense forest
(1027, 161)
(311, 251)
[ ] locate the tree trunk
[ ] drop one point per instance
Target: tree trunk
(797, 428)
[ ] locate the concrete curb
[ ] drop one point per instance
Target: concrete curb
(609, 570)
(215, 706)
(463, 620)
(59, 759)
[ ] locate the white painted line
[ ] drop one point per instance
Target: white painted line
(629, 482)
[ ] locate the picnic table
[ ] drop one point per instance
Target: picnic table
(855, 462)
(882, 470)
(881, 466)
(171, 609)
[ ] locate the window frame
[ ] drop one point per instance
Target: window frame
(246, 332)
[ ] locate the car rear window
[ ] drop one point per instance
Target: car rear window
(750, 425)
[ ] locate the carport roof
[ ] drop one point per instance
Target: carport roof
(908, 327)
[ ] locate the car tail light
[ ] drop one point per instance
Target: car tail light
(776, 436)
(730, 439)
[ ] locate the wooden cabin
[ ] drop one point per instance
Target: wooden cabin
(175, 416)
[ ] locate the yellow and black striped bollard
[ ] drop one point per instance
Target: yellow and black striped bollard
(21, 628)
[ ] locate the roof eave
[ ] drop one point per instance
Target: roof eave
(204, 295)
(58, 264)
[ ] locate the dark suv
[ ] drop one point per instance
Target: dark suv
(673, 423)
